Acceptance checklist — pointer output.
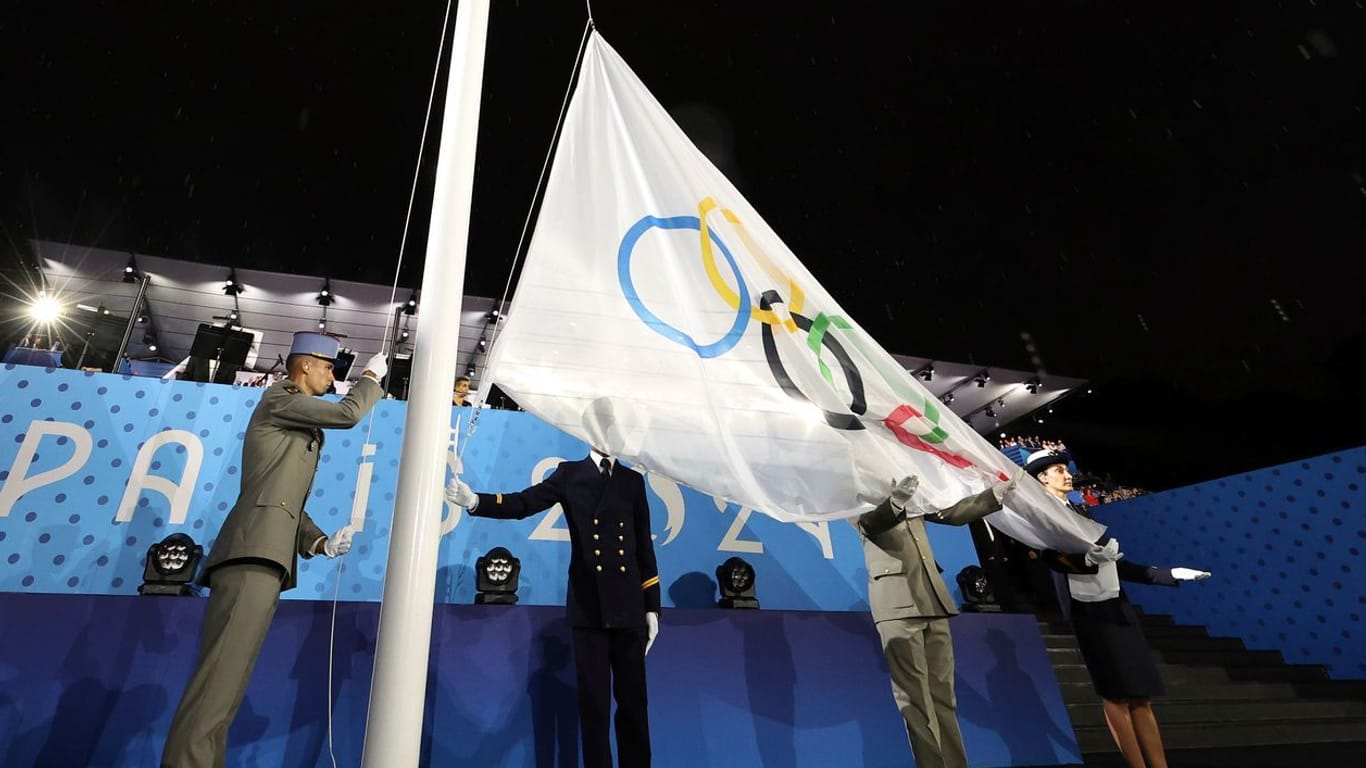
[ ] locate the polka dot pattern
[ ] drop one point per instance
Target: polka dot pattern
(66, 536)
(1284, 545)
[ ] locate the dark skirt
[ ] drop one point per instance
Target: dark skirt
(1115, 651)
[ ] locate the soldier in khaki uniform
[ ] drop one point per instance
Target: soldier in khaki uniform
(911, 608)
(253, 559)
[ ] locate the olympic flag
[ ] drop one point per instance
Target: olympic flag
(659, 318)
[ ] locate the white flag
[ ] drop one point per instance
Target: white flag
(660, 319)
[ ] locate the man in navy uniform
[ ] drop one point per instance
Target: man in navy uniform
(254, 557)
(613, 596)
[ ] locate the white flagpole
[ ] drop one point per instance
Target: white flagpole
(393, 728)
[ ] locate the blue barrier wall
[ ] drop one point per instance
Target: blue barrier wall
(94, 468)
(1284, 545)
(92, 681)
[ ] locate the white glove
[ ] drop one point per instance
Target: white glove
(1106, 554)
(1006, 487)
(460, 494)
(1189, 574)
(902, 491)
(651, 630)
(339, 543)
(377, 365)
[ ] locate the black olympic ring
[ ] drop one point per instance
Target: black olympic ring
(851, 374)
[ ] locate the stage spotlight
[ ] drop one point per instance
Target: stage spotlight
(45, 309)
(496, 575)
(483, 342)
(735, 578)
(493, 315)
(470, 372)
(982, 379)
(171, 566)
(976, 588)
(230, 286)
(325, 295)
(990, 412)
(130, 271)
(410, 308)
(1034, 385)
(948, 398)
(926, 372)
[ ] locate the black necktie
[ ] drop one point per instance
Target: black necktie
(606, 465)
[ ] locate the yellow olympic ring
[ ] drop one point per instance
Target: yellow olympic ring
(766, 316)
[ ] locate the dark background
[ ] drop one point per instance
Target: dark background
(1166, 198)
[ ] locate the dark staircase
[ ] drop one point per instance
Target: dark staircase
(1225, 705)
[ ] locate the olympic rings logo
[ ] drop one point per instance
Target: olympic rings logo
(916, 427)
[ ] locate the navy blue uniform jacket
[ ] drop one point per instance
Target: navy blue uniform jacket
(613, 579)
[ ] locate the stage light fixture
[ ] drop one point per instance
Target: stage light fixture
(926, 372)
(948, 398)
(483, 342)
(171, 567)
(976, 588)
(470, 372)
(325, 295)
(230, 286)
(496, 576)
(990, 412)
(410, 308)
(494, 315)
(735, 578)
(982, 379)
(130, 271)
(45, 309)
(1034, 385)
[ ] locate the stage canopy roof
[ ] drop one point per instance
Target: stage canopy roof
(273, 305)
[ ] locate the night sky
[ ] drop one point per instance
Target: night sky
(1167, 199)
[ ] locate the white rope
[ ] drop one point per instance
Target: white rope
(540, 181)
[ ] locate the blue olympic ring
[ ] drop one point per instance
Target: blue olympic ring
(628, 244)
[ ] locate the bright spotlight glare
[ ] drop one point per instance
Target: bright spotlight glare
(45, 309)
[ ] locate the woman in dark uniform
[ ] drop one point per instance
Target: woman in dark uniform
(1112, 643)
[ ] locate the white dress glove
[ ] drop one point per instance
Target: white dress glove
(902, 491)
(1106, 554)
(339, 543)
(651, 630)
(1189, 574)
(377, 365)
(460, 494)
(1006, 487)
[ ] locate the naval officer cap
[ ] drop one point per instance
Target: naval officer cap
(1038, 461)
(319, 345)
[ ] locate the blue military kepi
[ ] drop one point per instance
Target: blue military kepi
(1041, 460)
(318, 345)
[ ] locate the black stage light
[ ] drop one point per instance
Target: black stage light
(410, 307)
(735, 578)
(171, 567)
(130, 271)
(231, 287)
(977, 592)
(496, 576)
